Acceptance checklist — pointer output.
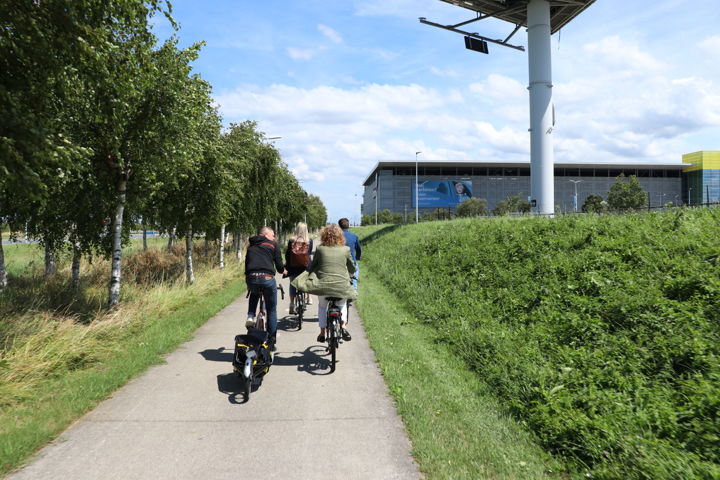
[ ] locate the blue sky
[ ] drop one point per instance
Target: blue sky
(348, 84)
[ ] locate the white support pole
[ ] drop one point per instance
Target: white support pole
(541, 106)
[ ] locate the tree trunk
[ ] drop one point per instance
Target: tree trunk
(238, 252)
(77, 256)
(234, 242)
(221, 261)
(207, 247)
(114, 294)
(171, 238)
(50, 266)
(144, 234)
(3, 273)
(190, 275)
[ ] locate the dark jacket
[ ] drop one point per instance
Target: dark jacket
(352, 241)
(263, 255)
(293, 271)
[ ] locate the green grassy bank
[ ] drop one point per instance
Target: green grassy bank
(63, 353)
(456, 426)
(600, 334)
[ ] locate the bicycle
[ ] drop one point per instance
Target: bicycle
(253, 357)
(260, 317)
(333, 332)
(300, 306)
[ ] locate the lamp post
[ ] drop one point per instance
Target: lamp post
(376, 193)
(689, 195)
(575, 199)
(417, 197)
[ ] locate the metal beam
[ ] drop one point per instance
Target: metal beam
(471, 34)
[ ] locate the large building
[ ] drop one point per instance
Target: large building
(701, 177)
(444, 184)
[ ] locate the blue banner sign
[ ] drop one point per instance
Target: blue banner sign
(442, 193)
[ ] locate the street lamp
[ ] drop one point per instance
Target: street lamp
(376, 193)
(417, 197)
(575, 200)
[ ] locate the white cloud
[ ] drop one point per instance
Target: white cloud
(302, 53)
(330, 33)
(711, 46)
(500, 88)
(444, 73)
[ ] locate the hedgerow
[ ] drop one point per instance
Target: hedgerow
(602, 334)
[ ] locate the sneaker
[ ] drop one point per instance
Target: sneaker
(346, 335)
(250, 322)
(321, 338)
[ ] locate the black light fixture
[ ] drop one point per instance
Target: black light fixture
(476, 44)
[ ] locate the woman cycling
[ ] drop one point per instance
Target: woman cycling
(330, 269)
(297, 257)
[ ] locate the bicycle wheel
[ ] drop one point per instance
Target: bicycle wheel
(300, 309)
(260, 320)
(246, 387)
(332, 342)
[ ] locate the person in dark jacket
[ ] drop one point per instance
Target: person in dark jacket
(352, 241)
(263, 259)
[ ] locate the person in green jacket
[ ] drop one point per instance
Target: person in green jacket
(329, 276)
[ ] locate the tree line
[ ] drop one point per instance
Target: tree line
(104, 126)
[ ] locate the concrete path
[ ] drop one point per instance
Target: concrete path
(186, 420)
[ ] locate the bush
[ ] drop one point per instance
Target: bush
(473, 207)
(600, 333)
(594, 203)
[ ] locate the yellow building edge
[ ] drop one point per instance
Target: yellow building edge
(702, 160)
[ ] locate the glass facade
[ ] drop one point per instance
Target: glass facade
(701, 179)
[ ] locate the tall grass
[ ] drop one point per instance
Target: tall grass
(62, 352)
(602, 334)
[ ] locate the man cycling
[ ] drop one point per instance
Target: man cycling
(352, 241)
(262, 260)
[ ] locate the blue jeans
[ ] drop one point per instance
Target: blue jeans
(293, 290)
(356, 275)
(268, 289)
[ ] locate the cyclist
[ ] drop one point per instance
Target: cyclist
(297, 257)
(352, 241)
(262, 260)
(330, 269)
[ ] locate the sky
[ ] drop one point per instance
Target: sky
(348, 84)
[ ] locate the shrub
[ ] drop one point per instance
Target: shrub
(473, 207)
(600, 333)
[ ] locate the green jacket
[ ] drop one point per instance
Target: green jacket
(329, 273)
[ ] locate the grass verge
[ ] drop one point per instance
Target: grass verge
(104, 355)
(455, 424)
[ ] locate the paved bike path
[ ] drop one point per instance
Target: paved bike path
(185, 419)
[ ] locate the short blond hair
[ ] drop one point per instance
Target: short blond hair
(332, 235)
